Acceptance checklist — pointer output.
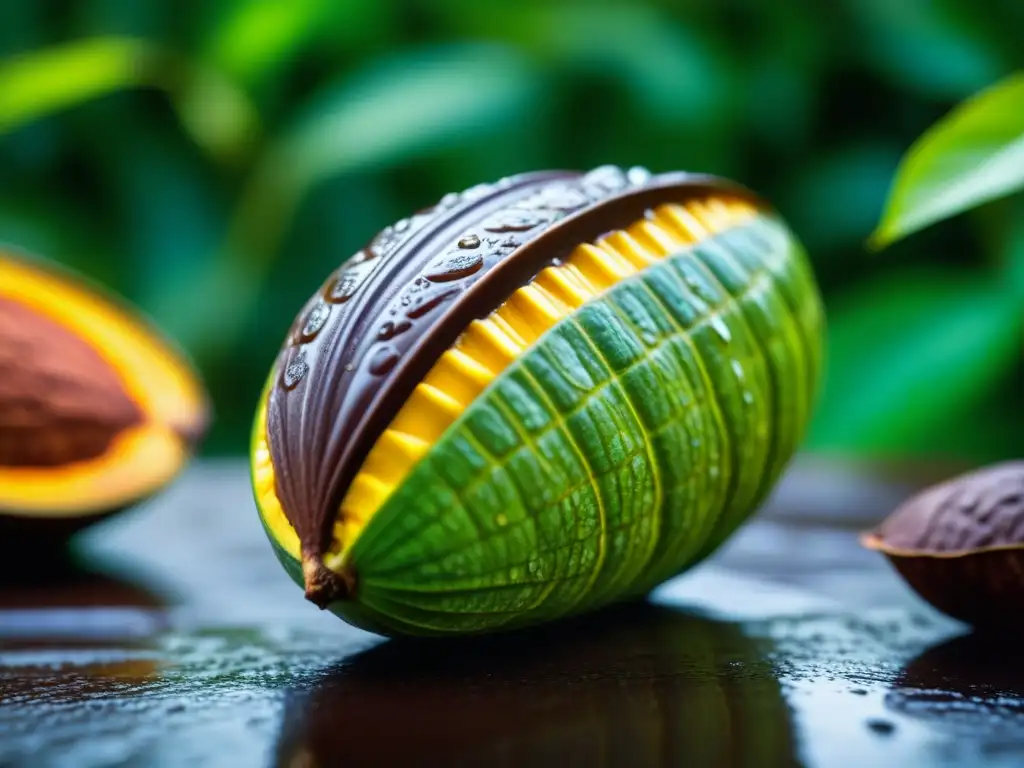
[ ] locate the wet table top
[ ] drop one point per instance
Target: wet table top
(180, 641)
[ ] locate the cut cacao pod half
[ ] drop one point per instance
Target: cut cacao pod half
(538, 397)
(959, 544)
(98, 410)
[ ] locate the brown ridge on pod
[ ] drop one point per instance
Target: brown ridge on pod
(960, 545)
(330, 406)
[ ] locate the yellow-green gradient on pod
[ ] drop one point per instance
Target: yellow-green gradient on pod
(536, 398)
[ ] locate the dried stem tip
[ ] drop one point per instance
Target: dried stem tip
(324, 586)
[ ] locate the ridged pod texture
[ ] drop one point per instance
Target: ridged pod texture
(622, 448)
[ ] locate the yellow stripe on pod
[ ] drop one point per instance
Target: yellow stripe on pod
(489, 345)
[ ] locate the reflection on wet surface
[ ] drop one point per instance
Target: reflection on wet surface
(183, 643)
(75, 633)
(641, 686)
(972, 686)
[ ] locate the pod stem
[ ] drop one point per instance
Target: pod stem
(324, 586)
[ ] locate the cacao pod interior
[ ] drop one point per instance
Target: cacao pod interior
(98, 409)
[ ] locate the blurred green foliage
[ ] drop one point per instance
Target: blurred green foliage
(965, 331)
(213, 161)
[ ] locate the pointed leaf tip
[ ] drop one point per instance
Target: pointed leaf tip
(973, 155)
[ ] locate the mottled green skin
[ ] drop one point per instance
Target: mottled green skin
(621, 449)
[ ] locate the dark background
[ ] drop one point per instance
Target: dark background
(212, 162)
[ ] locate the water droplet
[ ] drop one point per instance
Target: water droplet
(383, 361)
(475, 192)
(606, 177)
(295, 371)
(316, 319)
(344, 287)
(881, 727)
(737, 369)
(513, 222)
(501, 520)
(391, 329)
(449, 201)
(562, 197)
(384, 241)
(349, 367)
(748, 397)
(721, 328)
(638, 175)
(515, 572)
(401, 225)
(424, 305)
(454, 266)
(469, 241)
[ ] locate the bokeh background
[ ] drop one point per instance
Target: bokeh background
(212, 162)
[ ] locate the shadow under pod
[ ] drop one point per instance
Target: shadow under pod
(637, 685)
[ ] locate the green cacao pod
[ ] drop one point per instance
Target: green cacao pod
(538, 397)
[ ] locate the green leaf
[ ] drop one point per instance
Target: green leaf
(36, 84)
(254, 41)
(974, 155)
(677, 74)
(220, 118)
(910, 351)
(401, 108)
(40, 83)
(253, 37)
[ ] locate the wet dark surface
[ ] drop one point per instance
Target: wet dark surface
(184, 643)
